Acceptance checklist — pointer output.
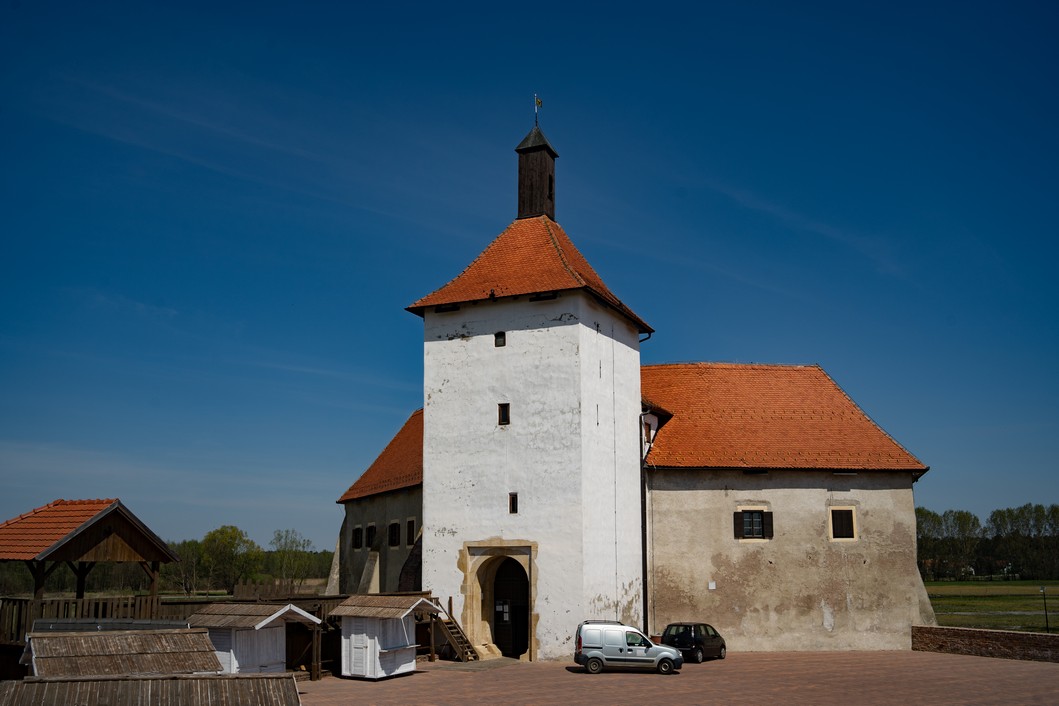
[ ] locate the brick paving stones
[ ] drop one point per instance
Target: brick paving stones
(817, 678)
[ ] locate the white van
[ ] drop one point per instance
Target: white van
(600, 644)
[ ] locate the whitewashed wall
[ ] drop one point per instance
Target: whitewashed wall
(571, 372)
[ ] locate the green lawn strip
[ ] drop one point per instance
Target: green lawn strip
(986, 604)
(989, 621)
(993, 588)
(1008, 605)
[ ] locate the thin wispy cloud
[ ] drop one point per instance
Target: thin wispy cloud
(871, 248)
(102, 300)
(156, 127)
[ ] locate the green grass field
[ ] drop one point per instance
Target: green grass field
(1002, 605)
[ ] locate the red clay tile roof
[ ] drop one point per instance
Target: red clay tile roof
(400, 465)
(532, 256)
(764, 416)
(29, 535)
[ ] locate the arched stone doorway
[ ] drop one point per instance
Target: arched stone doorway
(510, 609)
(508, 567)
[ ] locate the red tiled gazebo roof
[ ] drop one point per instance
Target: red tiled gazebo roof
(532, 256)
(30, 535)
(400, 465)
(764, 416)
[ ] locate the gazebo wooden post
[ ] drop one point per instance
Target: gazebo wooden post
(81, 570)
(40, 571)
(153, 586)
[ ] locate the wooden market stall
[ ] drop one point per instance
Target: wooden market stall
(378, 634)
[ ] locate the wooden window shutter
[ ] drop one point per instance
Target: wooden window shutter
(737, 522)
(766, 524)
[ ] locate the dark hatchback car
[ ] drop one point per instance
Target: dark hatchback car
(696, 641)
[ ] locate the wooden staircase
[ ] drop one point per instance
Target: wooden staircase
(457, 639)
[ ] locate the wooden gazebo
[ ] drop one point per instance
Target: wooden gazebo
(80, 534)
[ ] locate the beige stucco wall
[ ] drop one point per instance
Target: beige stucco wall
(799, 590)
(395, 506)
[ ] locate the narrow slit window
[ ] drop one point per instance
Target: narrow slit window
(503, 413)
(512, 503)
(500, 339)
(410, 533)
(395, 534)
(358, 537)
(369, 537)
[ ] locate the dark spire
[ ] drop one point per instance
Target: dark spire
(536, 175)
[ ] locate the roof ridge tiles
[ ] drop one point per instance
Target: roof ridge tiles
(559, 250)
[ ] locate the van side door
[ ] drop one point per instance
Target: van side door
(636, 647)
(614, 650)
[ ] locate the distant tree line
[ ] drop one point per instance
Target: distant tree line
(217, 562)
(1018, 542)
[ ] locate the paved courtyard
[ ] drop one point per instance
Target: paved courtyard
(907, 678)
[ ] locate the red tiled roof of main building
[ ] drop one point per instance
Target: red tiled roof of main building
(718, 415)
(400, 465)
(27, 536)
(532, 256)
(729, 415)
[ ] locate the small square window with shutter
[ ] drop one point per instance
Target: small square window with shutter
(500, 339)
(752, 524)
(842, 523)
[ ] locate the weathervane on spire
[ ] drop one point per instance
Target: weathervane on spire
(537, 104)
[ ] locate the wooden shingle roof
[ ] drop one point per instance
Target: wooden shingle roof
(79, 654)
(376, 606)
(728, 415)
(81, 530)
(400, 465)
(157, 690)
(248, 615)
(532, 256)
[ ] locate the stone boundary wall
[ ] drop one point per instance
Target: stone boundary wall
(1008, 644)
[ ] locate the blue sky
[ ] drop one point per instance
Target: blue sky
(214, 214)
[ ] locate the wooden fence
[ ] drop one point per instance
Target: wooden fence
(17, 614)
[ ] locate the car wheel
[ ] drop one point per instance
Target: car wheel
(697, 656)
(594, 665)
(665, 666)
(722, 653)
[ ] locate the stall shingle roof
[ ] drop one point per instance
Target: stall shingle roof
(159, 690)
(248, 615)
(376, 606)
(79, 654)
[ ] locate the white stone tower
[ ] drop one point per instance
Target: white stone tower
(531, 442)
